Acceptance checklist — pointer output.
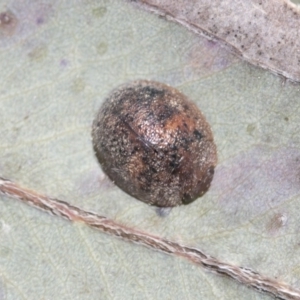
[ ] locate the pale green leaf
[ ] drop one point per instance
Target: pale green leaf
(58, 63)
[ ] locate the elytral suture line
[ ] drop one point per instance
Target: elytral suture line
(56, 207)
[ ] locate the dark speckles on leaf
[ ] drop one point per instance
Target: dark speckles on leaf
(241, 32)
(78, 85)
(251, 128)
(99, 12)
(163, 211)
(64, 63)
(39, 53)
(8, 23)
(101, 48)
(277, 222)
(40, 20)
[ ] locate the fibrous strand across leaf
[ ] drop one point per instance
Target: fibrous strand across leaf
(72, 213)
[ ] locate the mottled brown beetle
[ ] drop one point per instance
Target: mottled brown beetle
(155, 144)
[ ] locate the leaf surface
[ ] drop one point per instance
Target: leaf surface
(58, 64)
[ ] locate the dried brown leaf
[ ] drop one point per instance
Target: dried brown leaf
(264, 33)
